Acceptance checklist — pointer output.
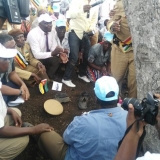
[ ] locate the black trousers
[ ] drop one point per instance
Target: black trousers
(51, 65)
(75, 45)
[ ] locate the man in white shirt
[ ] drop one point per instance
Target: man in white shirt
(40, 10)
(44, 46)
(83, 18)
(104, 11)
(14, 135)
(129, 145)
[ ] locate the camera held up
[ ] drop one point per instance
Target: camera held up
(147, 109)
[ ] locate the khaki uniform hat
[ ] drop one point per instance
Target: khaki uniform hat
(53, 107)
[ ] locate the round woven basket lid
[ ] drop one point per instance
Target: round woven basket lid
(53, 107)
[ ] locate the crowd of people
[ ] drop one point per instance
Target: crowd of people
(72, 33)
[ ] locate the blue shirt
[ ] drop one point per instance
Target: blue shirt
(95, 135)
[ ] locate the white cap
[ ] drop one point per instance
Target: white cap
(44, 17)
(7, 53)
(105, 85)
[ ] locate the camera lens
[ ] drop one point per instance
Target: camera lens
(128, 101)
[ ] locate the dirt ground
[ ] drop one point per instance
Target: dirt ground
(33, 111)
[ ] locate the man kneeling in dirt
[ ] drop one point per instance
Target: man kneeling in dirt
(93, 135)
(14, 135)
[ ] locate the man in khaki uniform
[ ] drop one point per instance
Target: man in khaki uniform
(27, 67)
(122, 57)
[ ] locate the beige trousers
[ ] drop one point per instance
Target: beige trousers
(52, 145)
(120, 62)
(12, 147)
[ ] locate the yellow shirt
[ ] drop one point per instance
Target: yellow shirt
(79, 21)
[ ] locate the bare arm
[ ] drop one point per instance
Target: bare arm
(12, 131)
(6, 90)
(128, 148)
(13, 76)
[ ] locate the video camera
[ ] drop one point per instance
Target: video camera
(147, 109)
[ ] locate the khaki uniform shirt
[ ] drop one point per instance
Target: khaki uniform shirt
(124, 32)
(26, 52)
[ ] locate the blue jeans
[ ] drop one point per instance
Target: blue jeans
(75, 45)
(8, 98)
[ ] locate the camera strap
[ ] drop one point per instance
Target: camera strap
(140, 140)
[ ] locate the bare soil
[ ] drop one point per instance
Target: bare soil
(33, 111)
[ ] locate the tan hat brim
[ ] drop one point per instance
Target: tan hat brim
(53, 107)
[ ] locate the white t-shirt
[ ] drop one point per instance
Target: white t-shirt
(149, 156)
(3, 109)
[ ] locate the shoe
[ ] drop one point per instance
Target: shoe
(68, 83)
(62, 97)
(83, 100)
(17, 102)
(84, 78)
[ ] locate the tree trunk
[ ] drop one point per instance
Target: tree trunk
(144, 21)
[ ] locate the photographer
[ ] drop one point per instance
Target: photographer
(128, 148)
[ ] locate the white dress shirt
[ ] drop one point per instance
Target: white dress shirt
(104, 11)
(37, 40)
(79, 21)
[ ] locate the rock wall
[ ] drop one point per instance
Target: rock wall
(144, 21)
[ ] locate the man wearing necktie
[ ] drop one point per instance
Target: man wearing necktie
(44, 45)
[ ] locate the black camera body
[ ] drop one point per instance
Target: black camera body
(147, 109)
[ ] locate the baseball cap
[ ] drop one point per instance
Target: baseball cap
(108, 36)
(104, 86)
(60, 23)
(56, 7)
(7, 53)
(44, 17)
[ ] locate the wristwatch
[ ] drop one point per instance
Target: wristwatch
(20, 92)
